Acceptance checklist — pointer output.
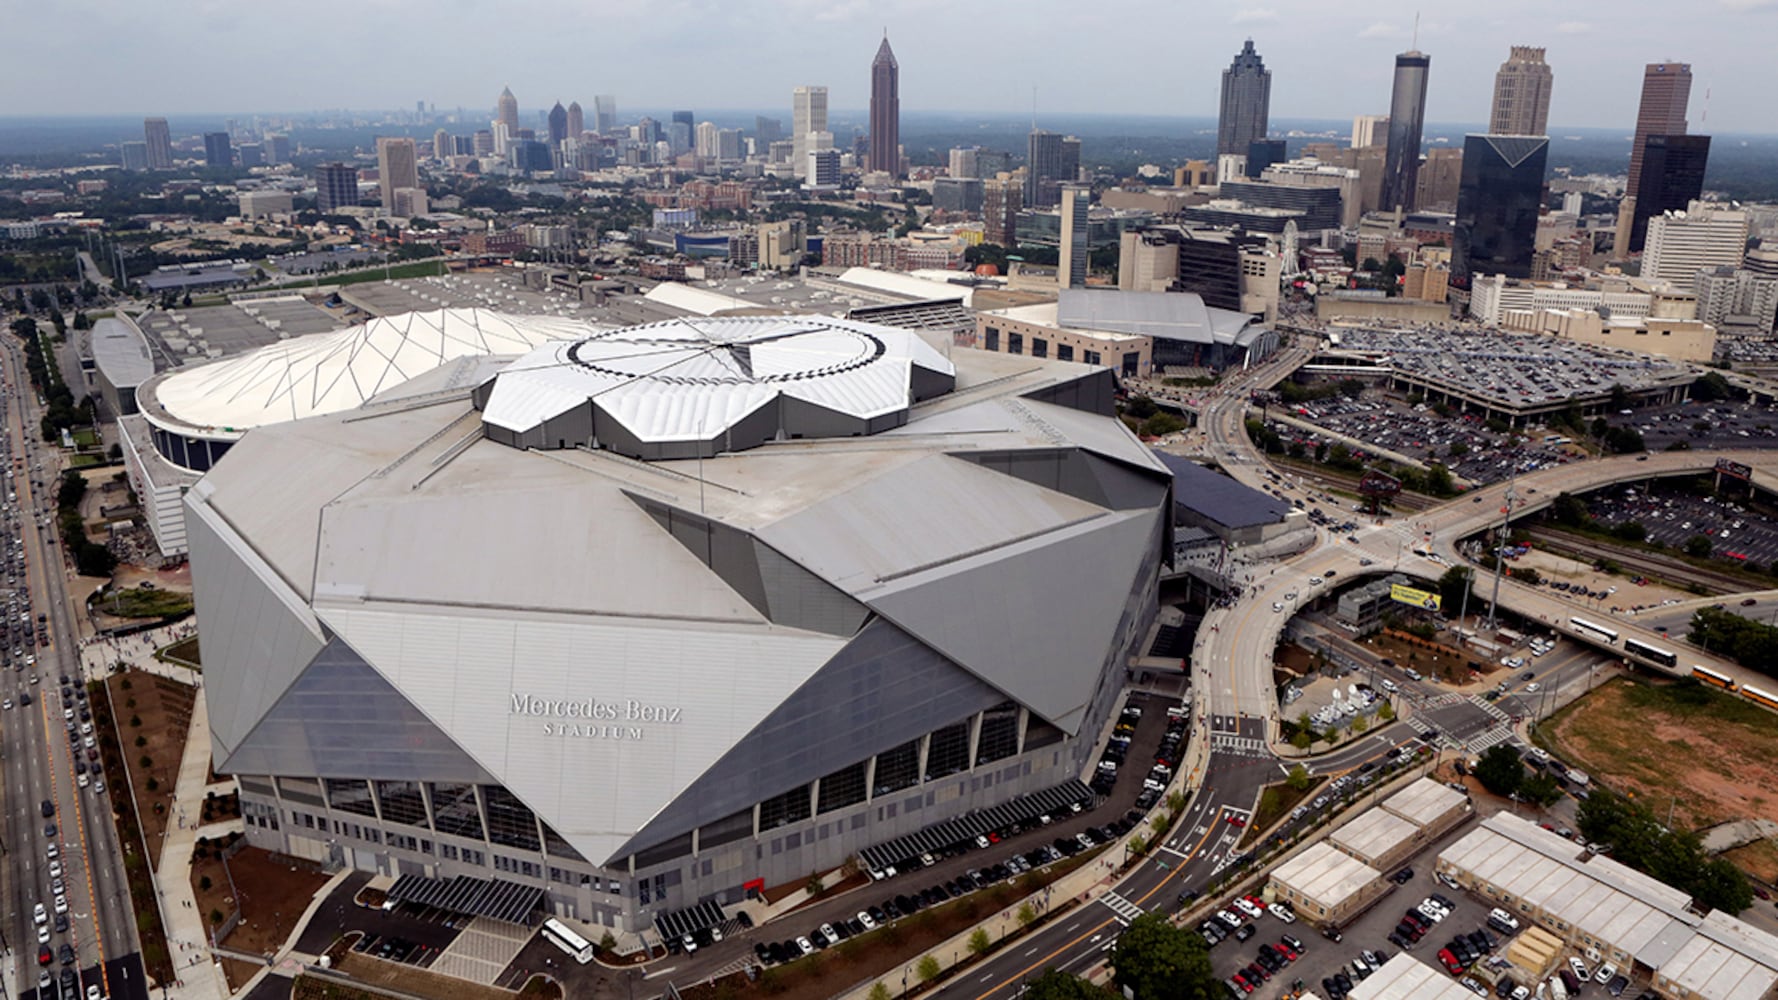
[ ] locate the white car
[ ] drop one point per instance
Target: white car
(830, 934)
(55, 869)
(61, 905)
(42, 933)
(865, 919)
(40, 915)
(803, 945)
(1248, 908)
(1605, 973)
(1531, 688)
(1579, 967)
(93, 992)
(1282, 912)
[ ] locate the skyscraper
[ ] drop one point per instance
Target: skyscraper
(1369, 130)
(1521, 94)
(1246, 102)
(558, 125)
(160, 143)
(442, 146)
(604, 114)
(1672, 177)
(219, 153)
(1002, 198)
(767, 130)
(1052, 159)
(681, 130)
(397, 167)
(808, 114)
(1666, 90)
(336, 187)
(1497, 205)
(277, 148)
(1407, 113)
(134, 155)
(506, 110)
(1071, 271)
(576, 120)
(885, 111)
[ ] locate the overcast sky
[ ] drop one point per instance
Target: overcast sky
(1136, 56)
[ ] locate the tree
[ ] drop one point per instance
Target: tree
(1527, 575)
(1154, 960)
(880, 991)
(927, 969)
(1386, 711)
(1055, 984)
(1500, 770)
(979, 943)
(1298, 778)
(1698, 546)
(1453, 586)
(1026, 915)
(1540, 790)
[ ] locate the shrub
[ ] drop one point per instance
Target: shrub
(204, 883)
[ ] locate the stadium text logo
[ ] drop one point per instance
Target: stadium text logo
(588, 719)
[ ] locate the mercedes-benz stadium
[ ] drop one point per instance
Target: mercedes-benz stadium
(652, 617)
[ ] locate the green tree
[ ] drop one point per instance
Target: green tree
(1386, 711)
(978, 942)
(1453, 586)
(927, 968)
(1154, 960)
(880, 991)
(1055, 984)
(1540, 790)
(1026, 915)
(1303, 738)
(1298, 779)
(1698, 546)
(1500, 770)
(1527, 575)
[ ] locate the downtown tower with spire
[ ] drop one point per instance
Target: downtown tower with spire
(885, 111)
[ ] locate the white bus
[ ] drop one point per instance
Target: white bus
(559, 934)
(1598, 631)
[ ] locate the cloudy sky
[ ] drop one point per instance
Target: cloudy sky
(1136, 56)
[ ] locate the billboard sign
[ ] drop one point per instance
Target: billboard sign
(1423, 599)
(1734, 470)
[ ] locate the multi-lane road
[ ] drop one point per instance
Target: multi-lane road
(40, 760)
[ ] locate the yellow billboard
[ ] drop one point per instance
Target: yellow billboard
(1417, 598)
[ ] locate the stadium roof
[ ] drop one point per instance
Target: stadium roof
(333, 372)
(121, 353)
(685, 381)
(1219, 497)
(1162, 315)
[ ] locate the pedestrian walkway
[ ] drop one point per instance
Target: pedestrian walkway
(482, 950)
(1125, 909)
(200, 978)
(1501, 733)
(1240, 746)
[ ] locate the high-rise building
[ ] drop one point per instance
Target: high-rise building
(1071, 271)
(728, 145)
(1435, 190)
(1262, 153)
(277, 148)
(442, 146)
(1672, 177)
(482, 142)
(957, 194)
(704, 140)
(963, 162)
(219, 153)
(1666, 92)
(885, 111)
(1052, 159)
(1370, 130)
(397, 167)
(681, 131)
(506, 110)
(336, 187)
(252, 154)
(134, 155)
(605, 114)
(808, 114)
(1682, 243)
(767, 130)
(1497, 206)
(1246, 102)
(1521, 94)
(558, 125)
(1407, 115)
(1002, 199)
(160, 143)
(576, 120)
(823, 168)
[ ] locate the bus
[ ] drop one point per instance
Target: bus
(1759, 697)
(1653, 654)
(560, 935)
(1597, 631)
(1711, 677)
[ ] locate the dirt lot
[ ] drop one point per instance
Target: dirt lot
(156, 711)
(273, 896)
(1758, 859)
(1555, 567)
(1711, 756)
(1449, 664)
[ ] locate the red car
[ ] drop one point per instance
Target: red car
(1450, 960)
(45, 956)
(1237, 821)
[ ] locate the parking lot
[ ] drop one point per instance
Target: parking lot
(1672, 517)
(1375, 935)
(1704, 425)
(1463, 443)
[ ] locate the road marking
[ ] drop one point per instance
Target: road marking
(661, 972)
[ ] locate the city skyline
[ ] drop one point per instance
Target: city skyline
(1599, 67)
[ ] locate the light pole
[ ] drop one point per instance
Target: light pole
(1506, 522)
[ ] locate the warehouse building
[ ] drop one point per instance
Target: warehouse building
(1326, 885)
(1432, 807)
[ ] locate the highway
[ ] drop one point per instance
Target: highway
(40, 758)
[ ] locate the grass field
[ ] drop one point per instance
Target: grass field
(138, 603)
(415, 269)
(1275, 803)
(1707, 756)
(183, 651)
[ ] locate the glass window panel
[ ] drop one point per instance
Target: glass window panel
(510, 822)
(557, 847)
(454, 810)
(350, 795)
(842, 788)
(790, 807)
(949, 751)
(401, 802)
(898, 768)
(1000, 734)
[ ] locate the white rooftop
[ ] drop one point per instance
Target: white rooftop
(1404, 977)
(1373, 834)
(1325, 874)
(1423, 802)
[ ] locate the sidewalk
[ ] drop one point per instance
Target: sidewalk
(200, 978)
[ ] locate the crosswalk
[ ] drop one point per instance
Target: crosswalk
(1122, 907)
(1490, 707)
(1243, 746)
(1502, 733)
